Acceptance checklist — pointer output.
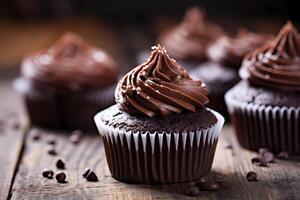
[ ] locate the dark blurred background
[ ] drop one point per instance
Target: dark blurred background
(131, 9)
(123, 27)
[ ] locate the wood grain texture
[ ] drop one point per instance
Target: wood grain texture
(11, 134)
(280, 180)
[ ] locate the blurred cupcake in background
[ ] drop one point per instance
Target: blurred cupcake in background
(265, 105)
(160, 130)
(225, 55)
(187, 41)
(65, 85)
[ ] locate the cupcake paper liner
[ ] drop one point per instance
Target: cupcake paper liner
(156, 158)
(260, 126)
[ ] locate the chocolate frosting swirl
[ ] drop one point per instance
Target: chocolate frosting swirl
(71, 63)
(230, 51)
(191, 37)
(277, 64)
(160, 86)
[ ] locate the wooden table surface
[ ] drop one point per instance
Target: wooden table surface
(22, 160)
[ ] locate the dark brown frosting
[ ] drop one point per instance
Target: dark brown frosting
(190, 38)
(71, 63)
(160, 86)
(277, 64)
(230, 51)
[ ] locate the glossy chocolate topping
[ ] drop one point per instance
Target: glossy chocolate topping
(160, 86)
(71, 63)
(277, 64)
(191, 37)
(230, 51)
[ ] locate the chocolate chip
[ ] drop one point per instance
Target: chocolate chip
(86, 172)
(60, 164)
(251, 176)
(267, 157)
(52, 140)
(36, 135)
(192, 191)
(206, 184)
(256, 160)
(75, 136)
(263, 164)
(92, 177)
(259, 162)
(284, 155)
(52, 151)
(48, 173)
(263, 158)
(61, 177)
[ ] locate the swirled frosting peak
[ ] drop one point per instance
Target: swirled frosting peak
(160, 86)
(230, 51)
(71, 63)
(277, 64)
(190, 38)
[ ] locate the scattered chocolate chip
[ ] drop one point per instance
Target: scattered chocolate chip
(263, 158)
(75, 136)
(259, 162)
(192, 191)
(267, 157)
(52, 140)
(92, 177)
(48, 173)
(251, 176)
(206, 184)
(36, 136)
(60, 164)
(86, 172)
(256, 160)
(263, 164)
(284, 155)
(61, 177)
(52, 151)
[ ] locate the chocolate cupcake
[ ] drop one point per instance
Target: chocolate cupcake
(265, 105)
(221, 72)
(65, 85)
(159, 131)
(187, 42)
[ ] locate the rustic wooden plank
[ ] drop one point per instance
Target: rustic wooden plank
(280, 180)
(11, 133)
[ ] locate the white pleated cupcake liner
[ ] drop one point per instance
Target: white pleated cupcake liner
(156, 158)
(259, 126)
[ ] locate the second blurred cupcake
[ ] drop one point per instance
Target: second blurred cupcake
(187, 42)
(221, 72)
(65, 85)
(265, 105)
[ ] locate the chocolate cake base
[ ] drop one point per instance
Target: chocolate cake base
(58, 108)
(265, 118)
(218, 79)
(172, 149)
